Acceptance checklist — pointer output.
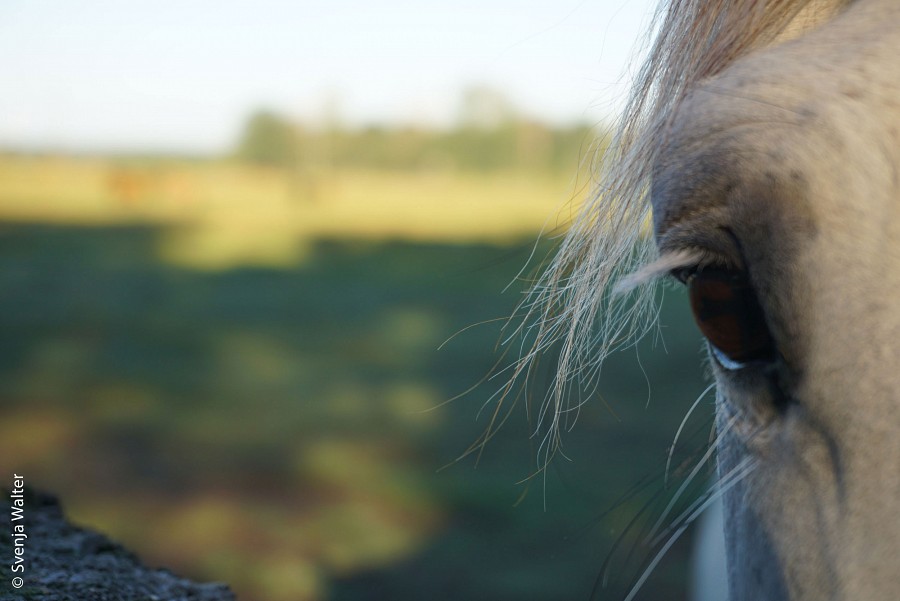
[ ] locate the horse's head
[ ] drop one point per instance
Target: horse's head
(778, 177)
(768, 135)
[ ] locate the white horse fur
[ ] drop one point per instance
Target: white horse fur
(763, 136)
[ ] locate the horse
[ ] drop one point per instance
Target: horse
(761, 144)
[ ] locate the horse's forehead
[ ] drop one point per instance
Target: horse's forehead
(815, 121)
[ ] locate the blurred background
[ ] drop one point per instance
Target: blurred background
(255, 262)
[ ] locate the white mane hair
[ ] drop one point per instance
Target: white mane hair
(577, 304)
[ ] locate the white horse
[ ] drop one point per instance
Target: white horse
(764, 138)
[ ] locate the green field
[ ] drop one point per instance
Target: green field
(282, 425)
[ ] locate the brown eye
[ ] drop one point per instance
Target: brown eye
(729, 315)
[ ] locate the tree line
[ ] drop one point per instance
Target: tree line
(482, 141)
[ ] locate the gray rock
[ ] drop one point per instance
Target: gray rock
(68, 563)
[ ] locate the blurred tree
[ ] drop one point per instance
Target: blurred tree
(268, 139)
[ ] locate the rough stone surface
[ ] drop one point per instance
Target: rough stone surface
(66, 563)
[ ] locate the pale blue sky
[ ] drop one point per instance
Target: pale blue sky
(183, 74)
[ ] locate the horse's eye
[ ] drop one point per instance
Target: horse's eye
(729, 315)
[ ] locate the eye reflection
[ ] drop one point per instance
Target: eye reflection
(729, 315)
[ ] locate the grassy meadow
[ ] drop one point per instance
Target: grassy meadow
(244, 373)
(223, 214)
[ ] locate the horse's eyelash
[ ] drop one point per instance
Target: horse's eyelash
(680, 264)
(684, 273)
